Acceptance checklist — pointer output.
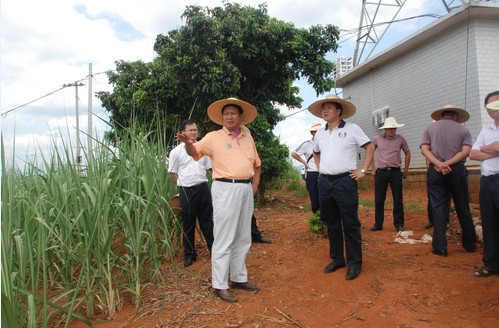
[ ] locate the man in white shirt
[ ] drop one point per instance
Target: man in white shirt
(486, 149)
(306, 149)
(194, 192)
(335, 154)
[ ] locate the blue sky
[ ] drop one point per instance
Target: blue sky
(46, 44)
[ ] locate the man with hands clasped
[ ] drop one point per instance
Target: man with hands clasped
(446, 144)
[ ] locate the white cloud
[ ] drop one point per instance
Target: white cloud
(45, 44)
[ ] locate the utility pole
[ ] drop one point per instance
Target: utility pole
(78, 146)
(90, 113)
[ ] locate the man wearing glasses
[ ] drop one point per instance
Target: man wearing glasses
(195, 196)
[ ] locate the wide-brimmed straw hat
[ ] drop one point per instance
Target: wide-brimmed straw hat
(462, 114)
(493, 105)
(215, 110)
(316, 126)
(348, 107)
(174, 203)
(391, 123)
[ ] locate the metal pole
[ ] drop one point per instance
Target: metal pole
(90, 114)
(78, 150)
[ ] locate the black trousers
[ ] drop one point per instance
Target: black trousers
(255, 232)
(196, 203)
(441, 188)
(339, 201)
(382, 179)
(312, 182)
(489, 210)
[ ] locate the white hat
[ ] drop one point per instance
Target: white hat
(493, 105)
(315, 126)
(348, 109)
(215, 110)
(462, 114)
(391, 123)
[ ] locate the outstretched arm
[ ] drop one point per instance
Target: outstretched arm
(189, 143)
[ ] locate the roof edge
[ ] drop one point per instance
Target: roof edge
(475, 9)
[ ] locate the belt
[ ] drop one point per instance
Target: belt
(194, 187)
(234, 180)
(389, 168)
(336, 176)
(491, 177)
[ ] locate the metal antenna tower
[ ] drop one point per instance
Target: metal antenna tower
(369, 32)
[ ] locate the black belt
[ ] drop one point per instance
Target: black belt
(195, 187)
(336, 176)
(389, 168)
(491, 177)
(234, 180)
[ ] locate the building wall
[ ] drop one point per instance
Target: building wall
(459, 66)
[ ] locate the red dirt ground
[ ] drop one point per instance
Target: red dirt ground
(401, 285)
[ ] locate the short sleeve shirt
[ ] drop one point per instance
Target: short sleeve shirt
(446, 138)
(486, 136)
(190, 172)
(233, 158)
(338, 147)
(306, 149)
(388, 150)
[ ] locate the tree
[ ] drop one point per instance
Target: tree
(229, 51)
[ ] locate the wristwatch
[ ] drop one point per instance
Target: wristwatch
(363, 171)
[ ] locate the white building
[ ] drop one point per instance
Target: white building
(453, 60)
(343, 65)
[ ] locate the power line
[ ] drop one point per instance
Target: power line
(4, 114)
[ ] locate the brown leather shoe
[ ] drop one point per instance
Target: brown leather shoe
(247, 286)
(225, 295)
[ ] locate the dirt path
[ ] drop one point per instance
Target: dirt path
(401, 285)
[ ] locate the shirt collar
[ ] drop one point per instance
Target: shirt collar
(241, 131)
(342, 125)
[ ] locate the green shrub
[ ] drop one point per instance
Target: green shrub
(316, 225)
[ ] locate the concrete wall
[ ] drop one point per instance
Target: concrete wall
(416, 180)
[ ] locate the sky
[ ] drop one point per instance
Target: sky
(45, 45)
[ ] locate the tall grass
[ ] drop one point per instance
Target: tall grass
(77, 240)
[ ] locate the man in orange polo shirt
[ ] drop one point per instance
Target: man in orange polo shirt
(236, 175)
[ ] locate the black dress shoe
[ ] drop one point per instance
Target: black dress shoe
(188, 262)
(247, 286)
(375, 228)
(332, 267)
(471, 250)
(428, 225)
(261, 240)
(225, 295)
(352, 273)
(439, 253)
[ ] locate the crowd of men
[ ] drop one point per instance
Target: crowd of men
(226, 215)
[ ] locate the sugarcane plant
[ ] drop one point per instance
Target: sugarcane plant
(77, 238)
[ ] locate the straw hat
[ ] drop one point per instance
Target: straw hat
(348, 107)
(215, 110)
(391, 123)
(315, 126)
(174, 203)
(462, 116)
(493, 105)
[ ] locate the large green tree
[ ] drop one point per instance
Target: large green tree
(228, 51)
